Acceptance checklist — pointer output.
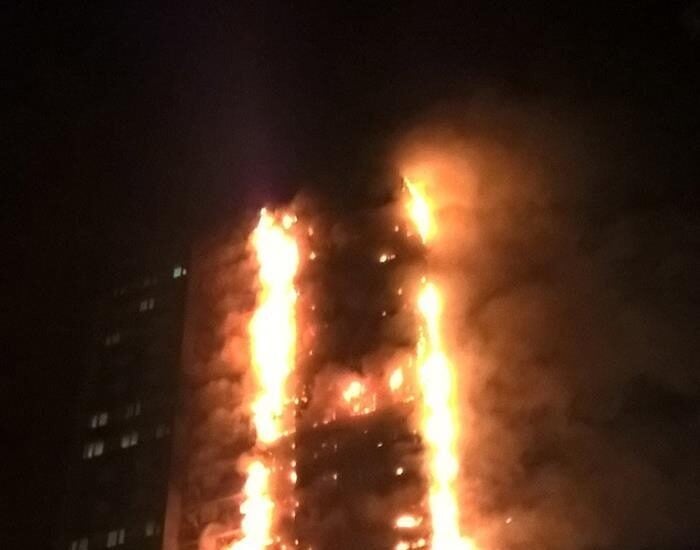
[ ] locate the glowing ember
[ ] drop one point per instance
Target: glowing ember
(273, 347)
(439, 418)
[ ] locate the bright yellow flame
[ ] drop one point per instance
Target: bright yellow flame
(256, 509)
(439, 418)
(354, 390)
(407, 521)
(273, 327)
(419, 210)
(273, 348)
(439, 424)
(396, 379)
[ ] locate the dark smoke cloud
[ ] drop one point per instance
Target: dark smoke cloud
(573, 304)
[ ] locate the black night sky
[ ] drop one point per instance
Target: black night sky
(134, 122)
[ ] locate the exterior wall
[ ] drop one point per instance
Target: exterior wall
(118, 474)
(356, 476)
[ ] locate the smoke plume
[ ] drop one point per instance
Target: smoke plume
(570, 319)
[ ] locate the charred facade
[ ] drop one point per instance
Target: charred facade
(357, 458)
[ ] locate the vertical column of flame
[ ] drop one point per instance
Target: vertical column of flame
(273, 327)
(436, 376)
(273, 349)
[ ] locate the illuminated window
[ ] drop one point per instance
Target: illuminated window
(149, 281)
(152, 528)
(147, 305)
(133, 409)
(129, 439)
(112, 339)
(79, 544)
(116, 538)
(99, 419)
(162, 430)
(179, 271)
(93, 449)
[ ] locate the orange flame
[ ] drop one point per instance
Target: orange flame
(358, 400)
(273, 348)
(439, 418)
(419, 211)
(354, 390)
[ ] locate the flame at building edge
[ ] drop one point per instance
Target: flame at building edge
(274, 320)
(436, 375)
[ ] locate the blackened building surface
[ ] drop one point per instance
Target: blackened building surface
(357, 475)
(358, 468)
(117, 484)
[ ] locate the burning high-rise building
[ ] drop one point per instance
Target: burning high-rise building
(317, 399)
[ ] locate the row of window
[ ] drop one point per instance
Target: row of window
(133, 409)
(98, 420)
(112, 339)
(116, 537)
(130, 439)
(101, 418)
(178, 271)
(147, 304)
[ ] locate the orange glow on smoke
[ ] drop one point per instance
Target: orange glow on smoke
(273, 348)
(439, 413)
